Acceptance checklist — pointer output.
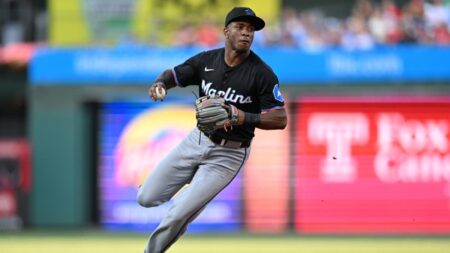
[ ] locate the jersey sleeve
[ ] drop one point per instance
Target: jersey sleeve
(187, 73)
(270, 93)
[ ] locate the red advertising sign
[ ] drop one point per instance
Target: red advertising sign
(266, 181)
(378, 166)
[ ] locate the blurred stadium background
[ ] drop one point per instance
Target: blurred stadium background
(364, 165)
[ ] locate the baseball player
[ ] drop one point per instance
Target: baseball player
(238, 92)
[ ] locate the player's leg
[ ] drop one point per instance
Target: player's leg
(172, 173)
(208, 181)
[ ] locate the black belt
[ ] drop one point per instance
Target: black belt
(229, 143)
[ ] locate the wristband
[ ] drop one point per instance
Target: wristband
(165, 78)
(234, 114)
(160, 80)
(252, 119)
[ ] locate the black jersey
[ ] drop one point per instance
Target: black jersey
(251, 86)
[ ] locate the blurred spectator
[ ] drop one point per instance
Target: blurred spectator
(186, 36)
(377, 25)
(289, 26)
(363, 8)
(208, 34)
(414, 23)
(332, 32)
(437, 16)
(392, 16)
(312, 23)
(356, 36)
(391, 10)
(442, 34)
(13, 30)
(436, 13)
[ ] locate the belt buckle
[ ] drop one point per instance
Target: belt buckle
(226, 143)
(232, 144)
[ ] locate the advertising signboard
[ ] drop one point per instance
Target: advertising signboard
(369, 165)
(133, 138)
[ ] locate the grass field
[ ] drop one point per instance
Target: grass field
(103, 242)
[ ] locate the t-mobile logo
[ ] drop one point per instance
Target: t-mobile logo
(338, 131)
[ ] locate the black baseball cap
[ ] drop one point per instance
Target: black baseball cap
(245, 14)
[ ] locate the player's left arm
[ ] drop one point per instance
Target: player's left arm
(270, 120)
(275, 119)
(273, 114)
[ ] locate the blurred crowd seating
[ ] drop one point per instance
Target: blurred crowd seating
(369, 24)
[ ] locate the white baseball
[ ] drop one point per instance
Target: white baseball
(160, 92)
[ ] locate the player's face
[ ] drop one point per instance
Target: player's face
(239, 35)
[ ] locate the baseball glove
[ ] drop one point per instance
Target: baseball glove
(213, 113)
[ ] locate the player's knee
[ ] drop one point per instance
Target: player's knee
(147, 200)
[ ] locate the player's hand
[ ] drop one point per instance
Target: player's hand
(157, 91)
(213, 113)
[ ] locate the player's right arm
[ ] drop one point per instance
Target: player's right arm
(165, 81)
(181, 75)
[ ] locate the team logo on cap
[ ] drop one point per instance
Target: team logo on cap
(277, 93)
